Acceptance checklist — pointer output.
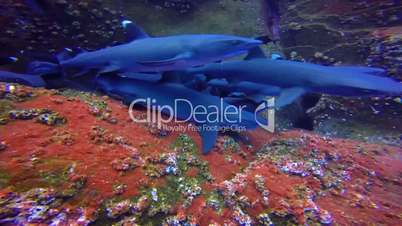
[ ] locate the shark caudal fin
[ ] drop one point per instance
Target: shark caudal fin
(47, 67)
(361, 81)
(43, 68)
(24, 79)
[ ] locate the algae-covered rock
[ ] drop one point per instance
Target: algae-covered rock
(167, 17)
(345, 32)
(115, 210)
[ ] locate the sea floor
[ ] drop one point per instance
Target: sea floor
(74, 158)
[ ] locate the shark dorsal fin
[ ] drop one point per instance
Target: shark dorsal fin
(255, 53)
(133, 32)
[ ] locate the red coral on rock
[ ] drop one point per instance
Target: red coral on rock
(294, 176)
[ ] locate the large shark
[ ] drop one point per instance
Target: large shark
(186, 101)
(151, 54)
(296, 78)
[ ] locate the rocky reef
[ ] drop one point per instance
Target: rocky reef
(343, 32)
(89, 24)
(208, 16)
(364, 32)
(96, 166)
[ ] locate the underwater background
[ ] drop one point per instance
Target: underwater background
(75, 158)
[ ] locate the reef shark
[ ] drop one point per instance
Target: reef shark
(167, 94)
(294, 79)
(150, 54)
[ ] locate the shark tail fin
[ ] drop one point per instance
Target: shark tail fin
(25, 79)
(372, 80)
(47, 67)
(43, 68)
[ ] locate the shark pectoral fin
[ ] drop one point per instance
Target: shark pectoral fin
(255, 53)
(166, 62)
(208, 136)
(288, 96)
(150, 77)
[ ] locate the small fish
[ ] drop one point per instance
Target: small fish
(8, 60)
(375, 111)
